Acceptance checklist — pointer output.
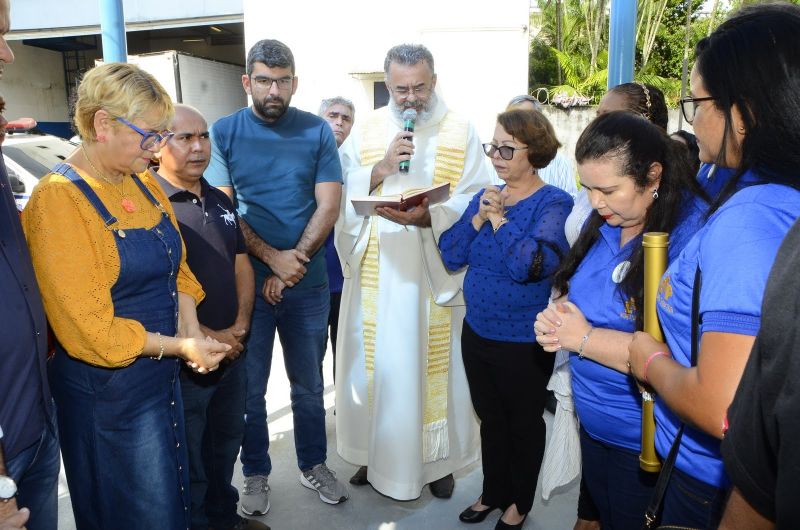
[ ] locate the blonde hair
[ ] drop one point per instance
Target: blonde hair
(124, 91)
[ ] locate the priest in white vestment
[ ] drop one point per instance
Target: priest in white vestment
(403, 409)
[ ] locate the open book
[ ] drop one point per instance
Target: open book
(404, 201)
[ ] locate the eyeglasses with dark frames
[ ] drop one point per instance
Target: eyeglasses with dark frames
(265, 82)
(149, 139)
(689, 106)
(506, 151)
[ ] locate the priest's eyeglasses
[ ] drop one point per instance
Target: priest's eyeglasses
(506, 151)
(405, 91)
(149, 139)
(689, 106)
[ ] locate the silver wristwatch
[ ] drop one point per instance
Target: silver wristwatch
(8, 488)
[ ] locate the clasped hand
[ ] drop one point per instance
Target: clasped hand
(203, 354)
(289, 265)
(640, 349)
(272, 291)
(232, 336)
(491, 207)
(560, 325)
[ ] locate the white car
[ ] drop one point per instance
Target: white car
(29, 157)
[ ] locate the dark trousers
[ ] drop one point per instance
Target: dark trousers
(692, 503)
(300, 320)
(507, 382)
(617, 485)
(333, 327)
(214, 414)
(587, 510)
(35, 470)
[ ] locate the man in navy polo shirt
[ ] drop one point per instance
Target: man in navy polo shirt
(216, 252)
(283, 167)
(29, 445)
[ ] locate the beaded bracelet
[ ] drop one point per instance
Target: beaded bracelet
(160, 346)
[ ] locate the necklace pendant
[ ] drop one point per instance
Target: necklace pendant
(128, 205)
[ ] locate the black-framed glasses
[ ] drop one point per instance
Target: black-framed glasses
(149, 139)
(506, 151)
(689, 106)
(265, 82)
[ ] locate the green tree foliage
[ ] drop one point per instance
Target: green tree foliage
(577, 62)
(543, 69)
(667, 57)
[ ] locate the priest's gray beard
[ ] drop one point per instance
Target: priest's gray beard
(423, 115)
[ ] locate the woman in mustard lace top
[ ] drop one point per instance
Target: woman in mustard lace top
(121, 300)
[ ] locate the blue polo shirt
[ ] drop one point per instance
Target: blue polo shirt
(273, 169)
(735, 250)
(502, 299)
(25, 400)
(608, 402)
(210, 230)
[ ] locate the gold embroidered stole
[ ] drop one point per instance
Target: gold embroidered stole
(448, 167)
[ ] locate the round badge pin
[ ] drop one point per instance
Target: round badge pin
(620, 271)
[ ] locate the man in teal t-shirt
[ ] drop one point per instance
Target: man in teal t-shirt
(281, 166)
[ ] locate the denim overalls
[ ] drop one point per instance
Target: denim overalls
(122, 429)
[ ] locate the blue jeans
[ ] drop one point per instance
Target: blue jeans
(35, 470)
(301, 320)
(213, 411)
(692, 503)
(617, 485)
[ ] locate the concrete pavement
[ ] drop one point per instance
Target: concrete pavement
(297, 508)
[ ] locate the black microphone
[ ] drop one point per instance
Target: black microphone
(409, 119)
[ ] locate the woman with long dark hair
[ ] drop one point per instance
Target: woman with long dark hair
(639, 98)
(745, 109)
(638, 180)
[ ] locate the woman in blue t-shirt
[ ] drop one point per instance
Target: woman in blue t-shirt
(512, 239)
(638, 180)
(745, 108)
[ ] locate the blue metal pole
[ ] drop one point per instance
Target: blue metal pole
(622, 42)
(112, 28)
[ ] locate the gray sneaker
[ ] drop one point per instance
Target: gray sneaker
(255, 495)
(323, 481)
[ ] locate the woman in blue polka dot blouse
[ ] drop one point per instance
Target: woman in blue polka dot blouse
(511, 238)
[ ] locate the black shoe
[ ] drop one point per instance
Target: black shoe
(502, 525)
(443, 488)
(360, 477)
(474, 516)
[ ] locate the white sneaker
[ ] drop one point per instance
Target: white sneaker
(324, 482)
(255, 495)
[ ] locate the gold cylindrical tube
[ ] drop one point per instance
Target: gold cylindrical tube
(655, 263)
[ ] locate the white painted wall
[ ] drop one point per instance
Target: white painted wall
(29, 14)
(569, 124)
(480, 49)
